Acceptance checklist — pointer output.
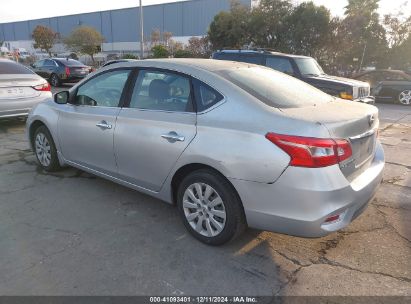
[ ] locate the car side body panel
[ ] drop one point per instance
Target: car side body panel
(230, 138)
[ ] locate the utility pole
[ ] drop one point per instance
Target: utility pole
(362, 58)
(142, 31)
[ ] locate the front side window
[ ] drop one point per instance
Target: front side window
(164, 91)
(104, 90)
(309, 67)
(39, 64)
(280, 64)
(275, 89)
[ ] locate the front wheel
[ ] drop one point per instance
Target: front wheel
(210, 208)
(45, 149)
(405, 97)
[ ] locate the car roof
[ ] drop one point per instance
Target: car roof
(63, 59)
(262, 52)
(183, 64)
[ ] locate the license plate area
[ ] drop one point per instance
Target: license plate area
(16, 92)
(363, 149)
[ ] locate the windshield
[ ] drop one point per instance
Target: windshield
(275, 89)
(309, 67)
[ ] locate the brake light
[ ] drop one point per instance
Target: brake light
(67, 71)
(45, 87)
(312, 152)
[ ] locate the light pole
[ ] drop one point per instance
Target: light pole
(142, 31)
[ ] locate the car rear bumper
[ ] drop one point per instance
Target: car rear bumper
(21, 107)
(73, 79)
(301, 200)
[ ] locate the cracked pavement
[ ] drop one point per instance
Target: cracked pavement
(71, 233)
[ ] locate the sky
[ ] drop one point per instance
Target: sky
(33, 9)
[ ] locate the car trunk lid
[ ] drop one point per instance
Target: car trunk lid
(18, 86)
(79, 71)
(352, 121)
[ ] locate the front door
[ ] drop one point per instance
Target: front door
(86, 125)
(155, 129)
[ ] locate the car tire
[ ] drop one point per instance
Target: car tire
(404, 97)
(45, 150)
(215, 216)
(55, 80)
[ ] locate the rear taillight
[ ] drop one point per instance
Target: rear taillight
(45, 87)
(312, 152)
(67, 71)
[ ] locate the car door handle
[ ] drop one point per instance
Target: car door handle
(173, 137)
(104, 125)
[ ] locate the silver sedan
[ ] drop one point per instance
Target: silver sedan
(231, 144)
(20, 89)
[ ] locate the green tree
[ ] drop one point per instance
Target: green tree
(365, 37)
(230, 29)
(311, 29)
(398, 27)
(269, 24)
(159, 51)
(85, 40)
(44, 38)
(183, 54)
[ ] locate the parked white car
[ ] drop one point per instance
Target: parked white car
(20, 89)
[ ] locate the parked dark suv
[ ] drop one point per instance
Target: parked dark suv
(305, 68)
(61, 70)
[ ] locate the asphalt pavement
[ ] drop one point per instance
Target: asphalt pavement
(71, 233)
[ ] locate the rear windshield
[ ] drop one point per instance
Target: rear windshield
(71, 62)
(10, 67)
(274, 88)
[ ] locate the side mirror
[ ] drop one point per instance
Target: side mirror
(33, 65)
(62, 97)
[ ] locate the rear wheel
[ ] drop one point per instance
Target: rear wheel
(210, 208)
(405, 97)
(45, 149)
(54, 80)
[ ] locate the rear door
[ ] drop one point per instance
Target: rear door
(153, 131)
(49, 67)
(86, 125)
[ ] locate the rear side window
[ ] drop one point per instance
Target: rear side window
(227, 56)
(240, 57)
(275, 89)
(162, 91)
(10, 67)
(205, 95)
